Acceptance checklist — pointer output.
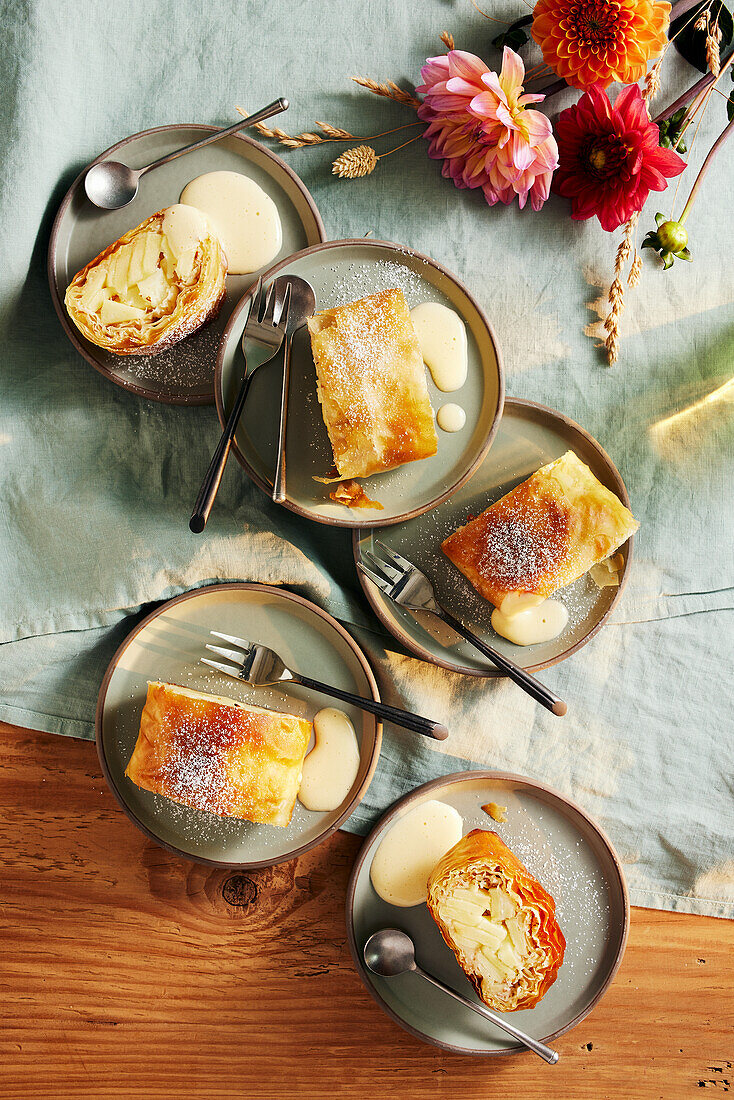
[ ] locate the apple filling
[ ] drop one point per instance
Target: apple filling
(140, 281)
(487, 928)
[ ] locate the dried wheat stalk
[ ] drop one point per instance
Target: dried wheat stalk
(652, 82)
(448, 40)
(331, 133)
(635, 271)
(616, 293)
(389, 89)
(713, 54)
(354, 163)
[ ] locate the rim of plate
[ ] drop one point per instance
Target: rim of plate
(352, 521)
(459, 777)
(273, 591)
(71, 331)
(405, 638)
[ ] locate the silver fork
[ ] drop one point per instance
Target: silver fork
(262, 667)
(263, 335)
(404, 583)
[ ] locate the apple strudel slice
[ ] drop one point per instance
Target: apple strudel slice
(157, 284)
(498, 920)
(218, 755)
(372, 386)
(543, 535)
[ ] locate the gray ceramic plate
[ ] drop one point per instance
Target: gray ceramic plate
(167, 646)
(184, 375)
(343, 271)
(529, 436)
(566, 852)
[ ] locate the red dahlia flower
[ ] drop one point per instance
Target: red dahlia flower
(610, 159)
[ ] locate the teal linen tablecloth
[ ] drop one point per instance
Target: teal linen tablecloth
(97, 485)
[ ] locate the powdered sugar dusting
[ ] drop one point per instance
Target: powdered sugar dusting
(194, 770)
(354, 280)
(187, 366)
(521, 547)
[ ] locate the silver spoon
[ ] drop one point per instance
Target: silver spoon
(112, 185)
(390, 952)
(303, 303)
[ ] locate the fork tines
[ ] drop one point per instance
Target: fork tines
(236, 656)
(241, 642)
(394, 557)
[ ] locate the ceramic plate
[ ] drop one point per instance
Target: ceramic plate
(529, 437)
(343, 271)
(167, 646)
(566, 852)
(184, 375)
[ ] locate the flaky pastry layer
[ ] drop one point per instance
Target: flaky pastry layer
(543, 535)
(218, 755)
(372, 385)
(498, 920)
(139, 297)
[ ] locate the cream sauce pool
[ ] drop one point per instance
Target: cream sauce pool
(411, 849)
(332, 765)
(442, 336)
(451, 418)
(242, 215)
(531, 625)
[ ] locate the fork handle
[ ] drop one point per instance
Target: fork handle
(213, 476)
(528, 683)
(403, 718)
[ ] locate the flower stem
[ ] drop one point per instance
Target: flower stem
(681, 7)
(693, 91)
(551, 89)
(725, 133)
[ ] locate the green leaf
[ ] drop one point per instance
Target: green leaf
(515, 39)
(514, 36)
(691, 43)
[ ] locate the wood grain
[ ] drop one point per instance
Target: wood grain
(127, 972)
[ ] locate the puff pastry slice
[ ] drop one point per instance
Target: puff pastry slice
(157, 284)
(543, 535)
(372, 385)
(498, 920)
(218, 755)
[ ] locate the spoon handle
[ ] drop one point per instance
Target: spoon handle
(267, 112)
(279, 487)
(544, 1052)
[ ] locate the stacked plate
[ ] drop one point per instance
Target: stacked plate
(502, 443)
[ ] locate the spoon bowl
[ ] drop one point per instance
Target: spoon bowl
(111, 184)
(389, 952)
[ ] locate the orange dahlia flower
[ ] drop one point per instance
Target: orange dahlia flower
(598, 41)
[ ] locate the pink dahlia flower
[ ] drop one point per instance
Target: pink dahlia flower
(480, 126)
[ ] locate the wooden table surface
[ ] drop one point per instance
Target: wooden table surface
(130, 973)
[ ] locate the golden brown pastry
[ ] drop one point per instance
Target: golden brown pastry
(543, 535)
(498, 920)
(158, 284)
(218, 755)
(372, 385)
